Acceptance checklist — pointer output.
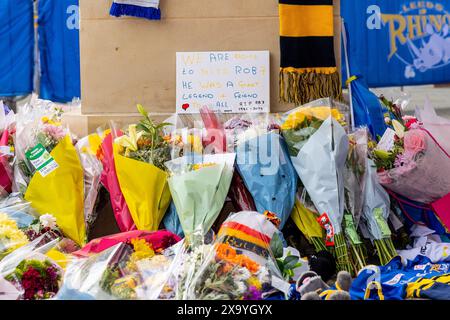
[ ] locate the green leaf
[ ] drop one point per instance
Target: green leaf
(276, 245)
(142, 110)
(290, 262)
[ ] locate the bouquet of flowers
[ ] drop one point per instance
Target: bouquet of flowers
(87, 148)
(263, 162)
(35, 275)
(48, 171)
(375, 213)
(318, 146)
(7, 131)
(199, 187)
(305, 215)
(240, 264)
(117, 267)
(140, 155)
(355, 179)
(109, 180)
(410, 162)
(183, 142)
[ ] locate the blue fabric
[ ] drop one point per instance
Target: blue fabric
(275, 190)
(413, 215)
(121, 9)
(395, 277)
(16, 47)
(368, 110)
(172, 221)
(59, 50)
(418, 55)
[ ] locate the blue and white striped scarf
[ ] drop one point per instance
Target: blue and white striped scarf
(148, 9)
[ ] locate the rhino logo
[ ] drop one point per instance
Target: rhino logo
(419, 36)
(434, 53)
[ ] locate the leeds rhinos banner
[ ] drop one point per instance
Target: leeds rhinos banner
(399, 42)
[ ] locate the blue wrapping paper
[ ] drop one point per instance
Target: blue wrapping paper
(172, 221)
(272, 181)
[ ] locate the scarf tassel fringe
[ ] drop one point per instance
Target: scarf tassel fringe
(303, 87)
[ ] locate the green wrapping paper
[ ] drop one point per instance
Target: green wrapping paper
(199, 194)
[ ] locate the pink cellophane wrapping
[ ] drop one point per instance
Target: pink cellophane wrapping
(5, 167)
(109, 180)
(426, 180)
(159, 240)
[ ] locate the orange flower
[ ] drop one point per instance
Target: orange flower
(228, 254)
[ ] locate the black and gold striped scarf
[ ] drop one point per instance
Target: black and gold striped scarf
(308, 65)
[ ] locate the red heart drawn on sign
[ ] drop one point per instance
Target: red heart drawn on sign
(185, 106)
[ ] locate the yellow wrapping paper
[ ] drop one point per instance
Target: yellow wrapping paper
(306, 221)
(61, 193)
(60, 258)
(145, 189)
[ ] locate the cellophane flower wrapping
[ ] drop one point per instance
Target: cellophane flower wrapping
(263, 162)
(128, 270)
(422, 173)
(318, 146)
(18, 210)
(7, 132)
(376, 207)
(438, 126)
(139, 157)
(48, 170)
(183, 142)
(31, 271)
(87, 148)
(239, 265)
(199, 185)
(110, 181)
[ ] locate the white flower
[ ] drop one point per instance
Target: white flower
(241, 287)
(47, 221)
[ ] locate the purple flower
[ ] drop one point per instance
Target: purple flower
(404, 163)
(253, 294)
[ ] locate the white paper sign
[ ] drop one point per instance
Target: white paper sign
(228, 82)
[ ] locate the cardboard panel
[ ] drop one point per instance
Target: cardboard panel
(128, 61)
(125, 62)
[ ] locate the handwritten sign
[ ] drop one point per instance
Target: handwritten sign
(228, 82)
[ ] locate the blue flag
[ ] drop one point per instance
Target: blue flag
(59, 49)
(16, 47)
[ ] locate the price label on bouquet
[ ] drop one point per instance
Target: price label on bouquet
(228, 82)
(41, 160)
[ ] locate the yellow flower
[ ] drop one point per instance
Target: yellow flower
(142, 250)
(47, 120)
(130, 141)
(294, 120)
(11, 237)
(253, 281)
(399, 128)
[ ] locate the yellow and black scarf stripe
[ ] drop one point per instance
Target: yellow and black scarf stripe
(308, 65)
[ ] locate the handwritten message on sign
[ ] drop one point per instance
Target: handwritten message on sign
(228, 82)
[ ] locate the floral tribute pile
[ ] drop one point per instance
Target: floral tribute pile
(293, 206)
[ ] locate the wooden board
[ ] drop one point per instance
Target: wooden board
(125, 61)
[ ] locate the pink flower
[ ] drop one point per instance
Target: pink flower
(56, 132)
(414, 142)
(384, 178)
